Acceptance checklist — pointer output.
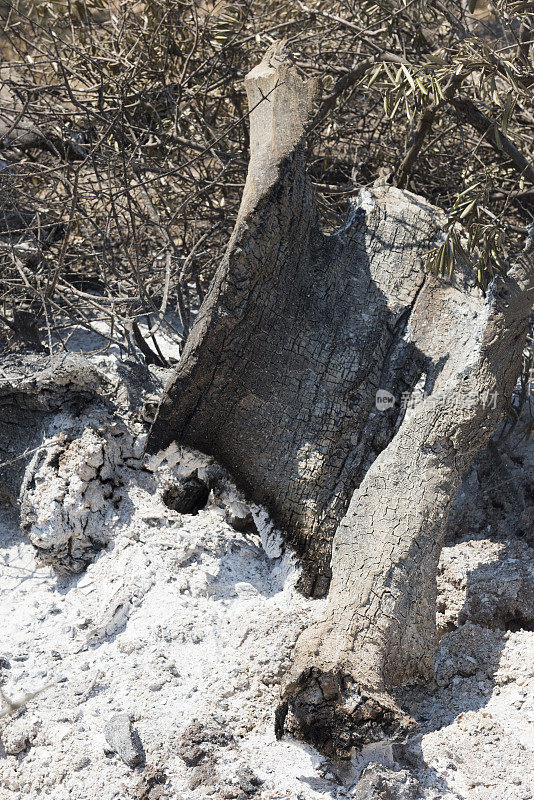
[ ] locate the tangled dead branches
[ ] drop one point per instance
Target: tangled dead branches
(124, 138)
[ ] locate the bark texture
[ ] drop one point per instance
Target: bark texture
(298, 332)
(279, 380)
(378, 628)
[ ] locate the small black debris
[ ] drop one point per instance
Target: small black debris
(188, 495)
(248, 781)
(198, 738)
(150, 786)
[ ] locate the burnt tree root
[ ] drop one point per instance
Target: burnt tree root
(334, 713)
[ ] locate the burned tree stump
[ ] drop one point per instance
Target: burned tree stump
(298, 337)
(279, 376)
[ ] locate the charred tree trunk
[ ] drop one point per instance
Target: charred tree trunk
(378, 629)
(298, 332)
(279, 380)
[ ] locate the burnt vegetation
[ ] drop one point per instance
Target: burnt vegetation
(130, 151)
(124, 143)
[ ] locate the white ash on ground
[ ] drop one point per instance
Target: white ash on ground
(181, 620)
(65, 497)
(488, 582)
(175, 637)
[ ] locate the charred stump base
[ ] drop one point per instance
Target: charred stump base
(334, 714)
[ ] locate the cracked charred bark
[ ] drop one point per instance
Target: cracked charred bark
(279, 375)
(278, 381)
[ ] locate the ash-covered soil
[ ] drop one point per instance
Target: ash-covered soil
(159, 662)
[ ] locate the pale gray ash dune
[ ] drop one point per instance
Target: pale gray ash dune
(142, 648)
